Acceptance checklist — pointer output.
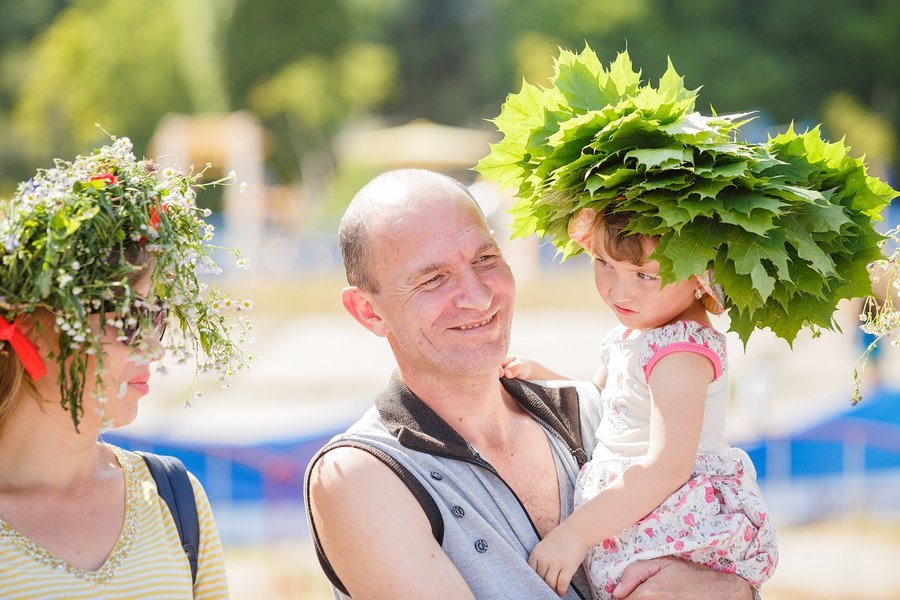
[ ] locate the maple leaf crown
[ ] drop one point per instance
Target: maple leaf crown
(785, 226)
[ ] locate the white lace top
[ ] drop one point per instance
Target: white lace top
(629, 356)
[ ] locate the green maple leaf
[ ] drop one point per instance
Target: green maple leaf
(521, 113)
(786, 325)
(502, 165)
(748, 251)
(657, 158)
(578, 131)
(629, 131)
(728, 170)
(795, 233)
(690, 251)
(710, 189)
(672, 182)
(759, 221)
(671, 85)
(867, 194)
(698, 206)
(743, 323)
(738, 289)
(582, 81)
(821, 217)
(854, 276)
(612, 178)
(668, 210)
(808, 280)
(536, 142)
(747, 201)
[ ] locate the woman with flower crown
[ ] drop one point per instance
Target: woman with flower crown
(97, 256)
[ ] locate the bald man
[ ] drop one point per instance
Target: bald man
(443, 488)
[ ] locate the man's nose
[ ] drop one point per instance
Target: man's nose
(473, 292)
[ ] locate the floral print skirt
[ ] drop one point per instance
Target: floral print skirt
(717, 518)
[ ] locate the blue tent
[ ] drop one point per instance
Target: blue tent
(867, 434)
(274, 471)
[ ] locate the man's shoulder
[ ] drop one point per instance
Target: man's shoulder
(589, 408)
(584, 388)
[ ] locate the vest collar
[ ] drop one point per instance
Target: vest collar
(418, 427)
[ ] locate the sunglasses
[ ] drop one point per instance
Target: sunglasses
(140, 313)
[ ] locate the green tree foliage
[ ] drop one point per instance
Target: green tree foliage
(20, 20)
(125, 63)
(263, 38)
(103, 61)
(317, 95)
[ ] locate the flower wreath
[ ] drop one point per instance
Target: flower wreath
(68, 238)
(786, 227)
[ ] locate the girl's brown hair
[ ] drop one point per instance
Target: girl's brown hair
(615, 241)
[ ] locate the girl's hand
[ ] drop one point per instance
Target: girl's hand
(522, 367)
(516, 367)
(557, 557)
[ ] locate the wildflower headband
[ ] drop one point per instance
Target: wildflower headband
(74, 237)
(785, 226)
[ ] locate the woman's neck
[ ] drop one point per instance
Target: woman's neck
(37, 448)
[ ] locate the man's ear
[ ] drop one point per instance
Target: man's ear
(357, 303)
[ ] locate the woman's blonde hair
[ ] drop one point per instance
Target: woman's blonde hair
(13, 382)
(13, 379)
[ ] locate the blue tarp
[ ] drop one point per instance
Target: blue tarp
(868, 435)
(274, 472)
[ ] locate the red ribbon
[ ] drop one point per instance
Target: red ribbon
(24, 349)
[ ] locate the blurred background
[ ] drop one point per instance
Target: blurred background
(306, 100)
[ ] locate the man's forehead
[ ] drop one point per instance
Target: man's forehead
(424, 241)
(430, 259)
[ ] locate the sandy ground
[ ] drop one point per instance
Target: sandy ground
(852, 559)
(319, 370)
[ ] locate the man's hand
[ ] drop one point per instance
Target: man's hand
(557, 557)
(669, 578)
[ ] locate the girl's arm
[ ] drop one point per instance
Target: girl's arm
(678, 385)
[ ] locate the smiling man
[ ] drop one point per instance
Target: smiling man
(443, 488)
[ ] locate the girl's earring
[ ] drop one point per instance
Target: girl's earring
(698, 293)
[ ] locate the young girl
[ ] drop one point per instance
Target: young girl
(662, 481)
(603, 162)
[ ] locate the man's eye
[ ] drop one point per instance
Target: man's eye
(433, 281)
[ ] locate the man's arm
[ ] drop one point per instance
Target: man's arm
(673, 579)
(374, 531)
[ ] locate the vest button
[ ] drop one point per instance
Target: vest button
(481, 546)
(436, 476)
(458, 512)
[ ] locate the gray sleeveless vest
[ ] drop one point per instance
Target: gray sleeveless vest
(475, 516)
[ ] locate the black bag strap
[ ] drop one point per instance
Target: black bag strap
(174, 487)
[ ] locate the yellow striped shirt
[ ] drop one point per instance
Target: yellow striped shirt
(146, 562)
